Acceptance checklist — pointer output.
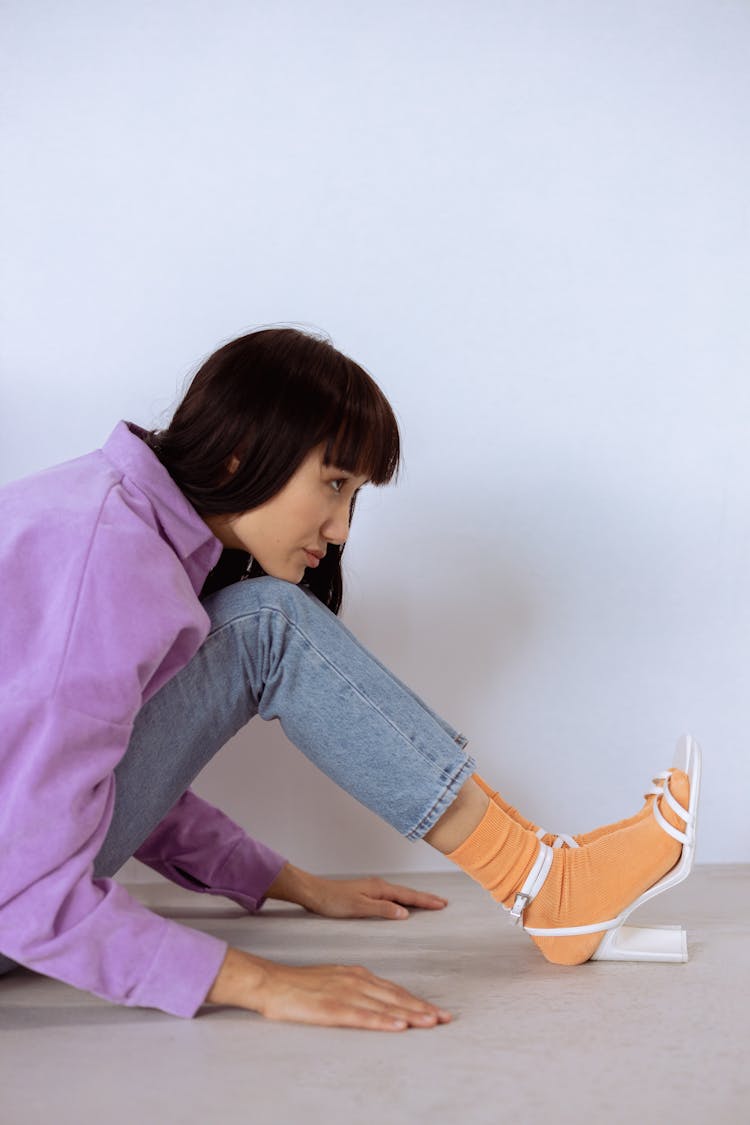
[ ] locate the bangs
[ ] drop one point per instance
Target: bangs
(364, 438)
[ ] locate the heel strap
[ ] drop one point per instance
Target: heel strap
(535, 880)
(577, 931)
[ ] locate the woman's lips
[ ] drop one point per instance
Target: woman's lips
(312, 559)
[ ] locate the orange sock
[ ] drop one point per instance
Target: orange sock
(584, 885)
(498, 854)
(549, 837)
(512, 812)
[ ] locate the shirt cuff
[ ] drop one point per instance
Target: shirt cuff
(181, 974)
(247, 873)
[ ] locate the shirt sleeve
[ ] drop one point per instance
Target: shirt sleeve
(198, 847)
(55, 917)
(85, 643)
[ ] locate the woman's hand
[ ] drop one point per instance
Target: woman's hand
(370, 897)
(327, 995)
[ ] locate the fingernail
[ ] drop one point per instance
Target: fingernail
(401, 913)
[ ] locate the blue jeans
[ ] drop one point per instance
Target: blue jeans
(275, 651)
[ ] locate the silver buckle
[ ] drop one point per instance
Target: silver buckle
(518, 908)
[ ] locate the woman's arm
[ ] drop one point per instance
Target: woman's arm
(199, 847)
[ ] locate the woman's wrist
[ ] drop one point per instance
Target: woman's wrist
(240, 981)
(292, 884)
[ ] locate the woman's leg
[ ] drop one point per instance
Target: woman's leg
(276, 651)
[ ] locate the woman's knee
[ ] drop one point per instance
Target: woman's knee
(256, 594)
(275, 591)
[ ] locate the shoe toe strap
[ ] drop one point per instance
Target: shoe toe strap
(562, 839)
(667, 795)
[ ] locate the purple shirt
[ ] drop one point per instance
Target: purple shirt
(101, 562)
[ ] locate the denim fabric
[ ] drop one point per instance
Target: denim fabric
(275, 651)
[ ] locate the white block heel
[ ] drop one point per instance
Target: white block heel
(643, 943)
(639, 943)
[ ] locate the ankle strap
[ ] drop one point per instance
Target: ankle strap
(535, 880)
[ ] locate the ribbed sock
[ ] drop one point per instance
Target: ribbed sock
(550, 837)
(584, 885)
(498, 854)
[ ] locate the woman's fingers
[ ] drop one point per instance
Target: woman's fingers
(408, 896)
(345, 996)
(371, 897)
(366, 1019)
(406, 1015)
(376, 992)
(382, 908)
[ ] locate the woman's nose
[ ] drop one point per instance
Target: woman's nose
(336, 529)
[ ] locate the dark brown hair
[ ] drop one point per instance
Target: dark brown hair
(269, 398)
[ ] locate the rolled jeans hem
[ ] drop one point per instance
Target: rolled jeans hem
(446, 798)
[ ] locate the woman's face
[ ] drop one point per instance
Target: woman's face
(292, 530)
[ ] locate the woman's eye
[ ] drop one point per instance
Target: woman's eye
(337, 485)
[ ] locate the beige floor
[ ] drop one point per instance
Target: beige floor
(529, 1042)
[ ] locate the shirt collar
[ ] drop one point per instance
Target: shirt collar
(182, 527)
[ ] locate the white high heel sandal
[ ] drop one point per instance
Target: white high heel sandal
(633, 943)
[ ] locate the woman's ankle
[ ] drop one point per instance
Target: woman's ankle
(460, 819)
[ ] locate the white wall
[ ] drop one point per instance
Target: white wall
(529, 221)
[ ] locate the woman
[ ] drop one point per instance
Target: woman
(162, 591)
